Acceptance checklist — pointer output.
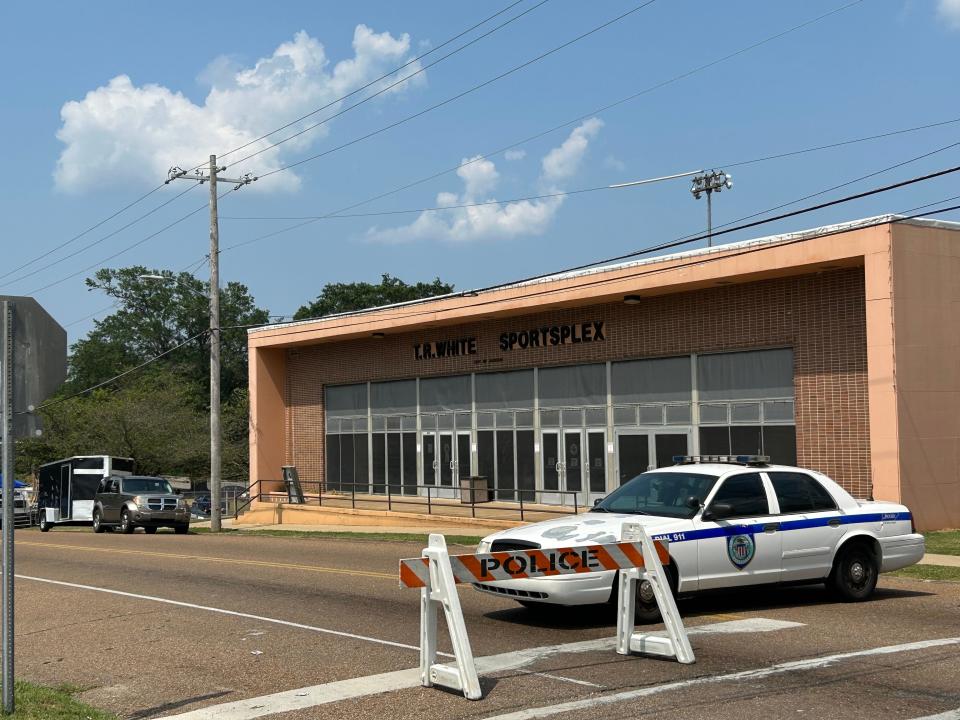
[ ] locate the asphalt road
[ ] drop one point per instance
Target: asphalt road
(234, 627)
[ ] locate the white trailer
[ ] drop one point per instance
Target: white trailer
(67, 487)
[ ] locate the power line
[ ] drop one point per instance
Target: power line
(468, 91)
(387, 88)
(142, 365)
(564, 193)
(81, 234)
(100, 240)
(580, 118)
(685, 241)
(130, 247)
(379, 79)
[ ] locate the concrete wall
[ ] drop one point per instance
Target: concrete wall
(926, 319)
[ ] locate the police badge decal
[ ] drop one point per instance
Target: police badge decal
(740, 550)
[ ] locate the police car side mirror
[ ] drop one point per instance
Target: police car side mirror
(693, 502)
(597, 501)
(718, 511)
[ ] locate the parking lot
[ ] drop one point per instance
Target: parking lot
(204, 626)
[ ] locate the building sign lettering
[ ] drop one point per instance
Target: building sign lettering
(553, 335)
(445, 348)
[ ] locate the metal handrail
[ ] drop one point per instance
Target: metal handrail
(393, 494)
(250, 498)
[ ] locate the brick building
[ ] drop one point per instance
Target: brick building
(834, 349)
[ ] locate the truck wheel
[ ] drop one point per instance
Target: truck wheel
(44, 523)
(181, 529)
(126, 525)
(97, 523)
(854, 574)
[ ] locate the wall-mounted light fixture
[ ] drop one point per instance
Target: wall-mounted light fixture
(377, 335)
(632, 299)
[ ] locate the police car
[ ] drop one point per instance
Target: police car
(731, 521)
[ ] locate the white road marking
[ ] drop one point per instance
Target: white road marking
(756, 674)
(948, 715)
(222, 611)
(308, 697)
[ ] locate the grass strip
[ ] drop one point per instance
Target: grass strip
(36, 702)
(943, 542)
(929, 572)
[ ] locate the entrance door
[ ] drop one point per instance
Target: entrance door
(574, 461)
(633, 454)
(461, 463)
(551, 462)
(446, 458)
(446, 461)
(642, 450)
(65, 492)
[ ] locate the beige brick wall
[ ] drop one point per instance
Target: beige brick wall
(821, 316)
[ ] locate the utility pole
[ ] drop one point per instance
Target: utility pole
(215, 432)
(708, 183)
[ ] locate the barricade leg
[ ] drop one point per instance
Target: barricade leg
(442, 591)
(676, 644)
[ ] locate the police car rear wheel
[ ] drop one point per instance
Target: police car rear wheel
(854, 575)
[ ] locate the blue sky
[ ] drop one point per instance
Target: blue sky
(102, 97)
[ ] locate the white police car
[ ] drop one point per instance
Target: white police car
(731, 521)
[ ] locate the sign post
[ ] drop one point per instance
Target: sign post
(33, 364)
(6, 333)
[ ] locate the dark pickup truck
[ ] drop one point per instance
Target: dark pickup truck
(134, 501)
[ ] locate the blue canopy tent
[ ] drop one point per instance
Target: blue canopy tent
(16, 483)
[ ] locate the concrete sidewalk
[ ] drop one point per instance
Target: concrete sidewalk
(424, 529)
(948, 560)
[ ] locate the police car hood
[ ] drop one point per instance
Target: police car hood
(592, 528)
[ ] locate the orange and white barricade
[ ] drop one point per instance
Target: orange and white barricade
(436, 573)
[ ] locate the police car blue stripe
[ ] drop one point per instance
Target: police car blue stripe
(783, 526)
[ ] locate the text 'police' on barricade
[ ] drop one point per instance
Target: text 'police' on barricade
(637, 559)
(525, 564)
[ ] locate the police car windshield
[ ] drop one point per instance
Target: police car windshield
(659, 493)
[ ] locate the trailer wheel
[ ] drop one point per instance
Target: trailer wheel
(44, 523)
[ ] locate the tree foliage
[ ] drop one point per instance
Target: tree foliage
(347, 297)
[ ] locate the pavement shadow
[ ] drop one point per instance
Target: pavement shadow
(167, 707)
(714, 602)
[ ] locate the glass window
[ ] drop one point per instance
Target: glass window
(573, 386)
(346, 400)
(394, 466)
(409, 451)
(333, 462)
(745, 375)
(146, 485)
(485, 457)
(504, 419)
(651, 414)
(393, 423)
(655, 380)
(596, 416)
(445, 393)
(714, 441)
(346, 462)
(485, 420)
(524, 418)
(780, 443)
(778, 410)
(746, 440)
(624, 416)
(745, 412)
(713, 413)
(658, 493)
(798, 492)
(678, 414)
(744, 494)
(502, 390)
(379, 463)
(571, 418)
(398, 397)
(505, 475)
(526, 476)
(550, 418)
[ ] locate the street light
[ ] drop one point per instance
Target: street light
(708, 183)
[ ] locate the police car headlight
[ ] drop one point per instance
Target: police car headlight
(483, 546)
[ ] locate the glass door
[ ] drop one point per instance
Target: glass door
(447, 464)
(596, 466)
(633, 454)
(667, 445)
(461, 461)
(572, 468)
(551, 463)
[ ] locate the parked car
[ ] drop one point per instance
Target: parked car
(201, 506)
(139, 501)
(730, 522)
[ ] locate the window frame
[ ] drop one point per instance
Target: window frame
(773, 488)
(764, 483)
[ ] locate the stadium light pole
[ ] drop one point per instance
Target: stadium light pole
(707, 183)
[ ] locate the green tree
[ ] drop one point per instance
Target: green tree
(152, 417)
(154, 316)
(347, 297)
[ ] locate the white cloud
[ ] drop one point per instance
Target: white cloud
(562, 162)
(496, 221)
(949, 10)
(132, 134)
(515, 154)
(614, 163)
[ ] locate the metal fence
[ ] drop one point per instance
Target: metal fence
(493, 503)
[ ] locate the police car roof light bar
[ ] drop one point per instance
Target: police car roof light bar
(724, 459)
